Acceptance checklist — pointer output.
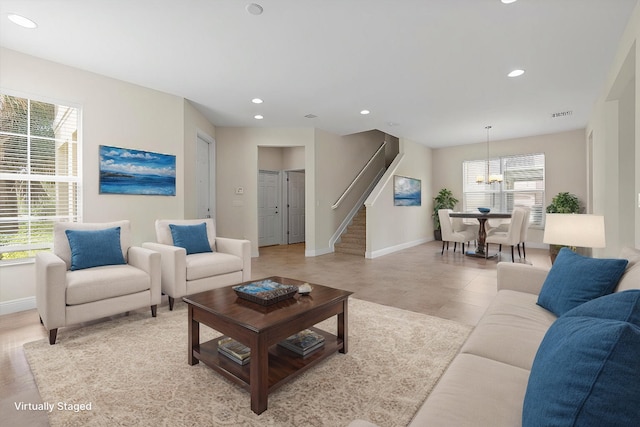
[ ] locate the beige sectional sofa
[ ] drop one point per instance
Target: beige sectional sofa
(485, 384)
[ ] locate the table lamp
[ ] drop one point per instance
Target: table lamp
(574, 230)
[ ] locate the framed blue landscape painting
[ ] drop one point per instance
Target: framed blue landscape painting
(406, 191)
(127, 171)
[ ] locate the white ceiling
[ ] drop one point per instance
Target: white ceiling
(436, 69)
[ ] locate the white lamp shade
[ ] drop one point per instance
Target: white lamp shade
(585, 231)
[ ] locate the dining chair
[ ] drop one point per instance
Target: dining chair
(512, 236)
(524, 231)
(461, 233)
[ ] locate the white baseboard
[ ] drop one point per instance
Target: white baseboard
(16, 305)
(317, 252)
(392, 249)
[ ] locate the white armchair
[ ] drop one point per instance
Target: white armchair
(222, 262)
(91, 275)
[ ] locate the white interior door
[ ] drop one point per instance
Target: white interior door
(269, 222)
(205, 177)
(295, 206)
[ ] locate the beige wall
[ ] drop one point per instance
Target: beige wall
(237, 166)
(565, 165)
(339, 159)
(391, 228)
(615, 163)
(242, 151)
(113, 113)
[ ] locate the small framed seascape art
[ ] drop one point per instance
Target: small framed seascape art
(406, 191)
(128, 171)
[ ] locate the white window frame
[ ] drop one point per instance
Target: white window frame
(71, 202)
(502, 195)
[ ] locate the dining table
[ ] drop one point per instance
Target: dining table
(482, 218)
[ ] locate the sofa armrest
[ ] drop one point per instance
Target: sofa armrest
(149, 261)
(51, 289)
(173, 267)
(240, 248)
(521, 277)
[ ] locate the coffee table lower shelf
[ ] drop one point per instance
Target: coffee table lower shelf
(283, 364)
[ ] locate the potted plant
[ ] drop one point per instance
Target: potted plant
(444, 200)
(562, 203)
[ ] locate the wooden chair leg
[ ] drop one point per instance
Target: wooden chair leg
(154, 310)
(171, 299)
(53, 333)
(513, 259)
(462, 248)
(519, 254)
(524, 252)
(455, 245)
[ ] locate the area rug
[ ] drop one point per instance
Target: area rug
(133, 371)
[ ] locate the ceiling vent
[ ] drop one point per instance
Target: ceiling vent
(561, 114)
(311, 116)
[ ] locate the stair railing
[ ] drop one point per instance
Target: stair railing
(362, 171)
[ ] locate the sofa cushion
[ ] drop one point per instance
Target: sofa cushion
(191, 237)
(631, 277)
(94, 248)
(575, 279)
(211, 264)
(475, 391)
(586, 371)
(511, 329)
(101, 283)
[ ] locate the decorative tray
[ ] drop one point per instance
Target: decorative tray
(265, 292)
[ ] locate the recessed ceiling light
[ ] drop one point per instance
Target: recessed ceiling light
(516, 73)
(258, 117)
(365, 112)
(22, 21)
(254, 9)
(256, 101)
(508, 1)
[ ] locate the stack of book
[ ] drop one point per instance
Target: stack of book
(304, 342)
(234, 350)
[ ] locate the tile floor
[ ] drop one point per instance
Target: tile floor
(451, 286)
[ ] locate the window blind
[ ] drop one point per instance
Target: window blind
(522, 184)
(39, 182)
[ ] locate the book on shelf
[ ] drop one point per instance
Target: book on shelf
(234, 350)
(303, 342)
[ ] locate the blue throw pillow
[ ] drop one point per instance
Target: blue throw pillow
(94, 248)
(586, 371)
(191, 237)
(575, 279)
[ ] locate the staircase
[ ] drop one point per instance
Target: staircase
(353, 240)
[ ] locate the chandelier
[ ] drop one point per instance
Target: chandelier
(488, 177)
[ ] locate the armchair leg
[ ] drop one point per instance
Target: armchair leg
(41, 322)
(154, 310)
(524, 252)
(172, 300)
(53, 333)
(513, 259)
(455, 245)
(519, 254)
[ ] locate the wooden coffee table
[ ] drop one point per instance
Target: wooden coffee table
(260, 328)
